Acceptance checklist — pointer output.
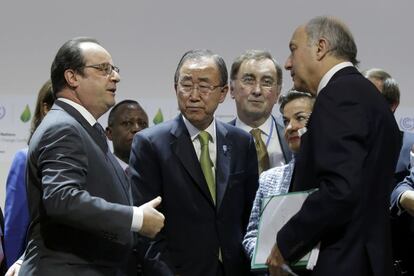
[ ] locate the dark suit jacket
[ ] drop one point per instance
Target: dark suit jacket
(349, 152)
(78, 199)
(280, 130)
(163, 162)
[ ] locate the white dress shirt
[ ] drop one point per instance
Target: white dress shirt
(212, 145)
(270, 138)
(328, 75)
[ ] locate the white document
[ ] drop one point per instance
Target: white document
(276, 212)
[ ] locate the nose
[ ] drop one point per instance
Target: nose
(257, 89)
(288, 63)
(293, 126)
(115, 76)
(195, 96)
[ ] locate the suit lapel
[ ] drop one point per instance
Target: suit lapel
(222, 162)
(98, 140)
(85, 124)
(121, 176)
(183, 148)
(283, 144)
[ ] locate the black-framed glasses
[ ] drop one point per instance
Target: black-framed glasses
(104, 67)
(203, 88)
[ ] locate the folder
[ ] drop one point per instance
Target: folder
(276, 211)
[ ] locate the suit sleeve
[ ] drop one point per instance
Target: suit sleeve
(16, 220)
(406, 185)
(63, 162)
(146, 181)
(337, 139)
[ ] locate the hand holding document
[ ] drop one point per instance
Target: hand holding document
(276, 211)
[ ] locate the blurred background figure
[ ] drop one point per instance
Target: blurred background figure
(16, 220)
(388, 87)
(256, 81)
(125, 119)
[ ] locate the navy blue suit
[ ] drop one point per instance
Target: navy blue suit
(163, 162)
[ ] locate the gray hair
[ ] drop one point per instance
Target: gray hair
(256, 55)
(391, 91)
(376, 73)
(203, 53)
(341, 41)
(390, 88)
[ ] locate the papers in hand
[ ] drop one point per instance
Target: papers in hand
(275, 212)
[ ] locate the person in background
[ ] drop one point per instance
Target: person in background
(125, 119)
(16, 211)
(346, 134)
(296, 108)
(388, 87)
(402, 207)
(205, 172)
(256, 81)
(3, 267)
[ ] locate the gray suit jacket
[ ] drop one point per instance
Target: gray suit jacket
(78, 198)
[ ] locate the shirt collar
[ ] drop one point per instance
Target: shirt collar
(265, 127)
(82, 110)
(121, 162)
(193, 131)
(327, 77)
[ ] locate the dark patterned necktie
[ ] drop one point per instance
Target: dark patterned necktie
(97, 126)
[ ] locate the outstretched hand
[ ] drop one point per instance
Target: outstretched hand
(153, 220)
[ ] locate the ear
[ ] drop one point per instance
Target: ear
(322, 48)
(108, 132)
(71, 78)
(223, 93)
(394, 106)
(175, 88)
(232, 89)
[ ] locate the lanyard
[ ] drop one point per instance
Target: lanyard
(271, 131)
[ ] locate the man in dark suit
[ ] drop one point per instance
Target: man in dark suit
(205, 173)
(256, 81)
(82, 218)
(349, 153)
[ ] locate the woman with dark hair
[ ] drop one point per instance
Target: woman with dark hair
(296, 108)
(16, 212)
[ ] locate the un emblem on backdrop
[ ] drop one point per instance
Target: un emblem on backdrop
(407, 123)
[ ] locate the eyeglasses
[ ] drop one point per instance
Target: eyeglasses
(203, 88)
(266, 83)
(104, 67)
